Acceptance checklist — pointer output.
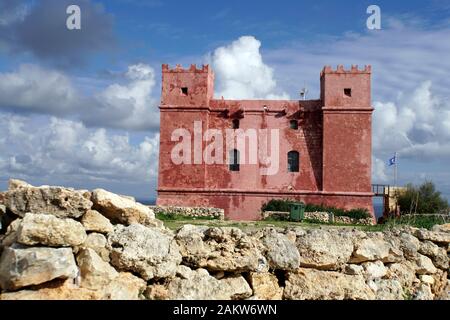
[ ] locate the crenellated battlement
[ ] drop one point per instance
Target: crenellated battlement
(340, 69)
(179, 69)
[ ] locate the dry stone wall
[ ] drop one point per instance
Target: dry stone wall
(323, 217)
(195, 212)
(60, 243)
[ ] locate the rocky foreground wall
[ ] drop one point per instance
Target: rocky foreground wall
(61, 243)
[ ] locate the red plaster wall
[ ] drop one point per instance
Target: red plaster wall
(333, 139)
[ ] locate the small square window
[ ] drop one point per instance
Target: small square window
(235, 123)
(348, 92)
(294, 124)
(184, 91)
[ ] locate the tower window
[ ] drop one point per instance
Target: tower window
(234, 160)
(294, 124)
(348, 92)
(293, 161)
(235, 123)
(184, 91)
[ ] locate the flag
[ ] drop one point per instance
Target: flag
(392, 161)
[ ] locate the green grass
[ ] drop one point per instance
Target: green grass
(422, 221)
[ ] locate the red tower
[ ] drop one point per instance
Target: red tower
(322, 153)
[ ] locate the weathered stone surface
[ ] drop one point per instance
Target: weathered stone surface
(220, 249)
(265, 286)
(55, 290)
(2, 215)
(120, 209)
(237, 287)
(57, 201)
(96, 242)
(324, 249)
(371, 249)
(11, 233)
(311, 284)
(16, 184)
(404, 272)
(423, 293)
(280, 252)
(440, 237)
(441, 228)
(424, 265)
(354, 269)
(95, 273)
(125, 286)
(374, 270)
(20, 267)
(387, 289)
(50, 231)
(427, 279)
(409, 244)
(437, 254)
(144, 250)
(92, 220)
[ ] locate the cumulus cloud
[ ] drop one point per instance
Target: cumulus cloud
(241, 72)
(66, 150)
(34, 89)
(128, 105)
(40, 29)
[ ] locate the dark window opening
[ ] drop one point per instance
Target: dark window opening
(348, 92)
(234, 160)
(236, 124)
(184, 91)
(293, 161)
(294, 124)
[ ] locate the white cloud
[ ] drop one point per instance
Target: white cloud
(130, 106)
(32, 88)
(241, 72)
(67, 150)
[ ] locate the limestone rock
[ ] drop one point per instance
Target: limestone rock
(424, 265)
(2, 215)
(220, 249)
(434, 236)
(423, 293)
(199, 285)
(324, 249)
(388, 289)
(16, 184)
(96, 242)
(353, 269)
(409, 244)
(280, 252)
(11, 233)
(20, 267)
(265, 286)
(237, 287)
(58, 201)
(95, 273)
(437, 254)
(441, 228)
(93, 221)
(427, 279)
(370, 249)
(120, 209)
(404, 272)
(50, 231)
(55, 290)
(311, 284)
(374, 270)
(144, 250)
(125, 286)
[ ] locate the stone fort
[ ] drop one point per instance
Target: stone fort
(325, 145)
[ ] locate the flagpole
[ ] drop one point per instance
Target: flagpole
(395, 169)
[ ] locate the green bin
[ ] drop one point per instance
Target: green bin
(297, 211)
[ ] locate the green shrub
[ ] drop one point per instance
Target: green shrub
(277, 205)
(423, 199)
(418, 221)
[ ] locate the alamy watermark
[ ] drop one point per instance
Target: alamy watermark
(215, 146)
(374, 20)
(73, 21)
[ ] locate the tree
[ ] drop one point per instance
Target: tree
(423, 199)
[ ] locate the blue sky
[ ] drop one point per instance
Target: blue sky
(87, 111)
